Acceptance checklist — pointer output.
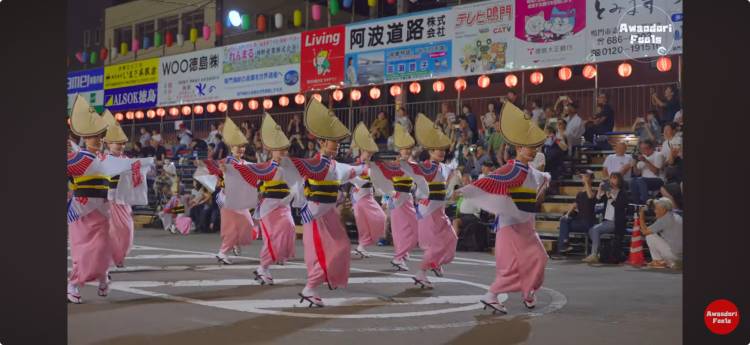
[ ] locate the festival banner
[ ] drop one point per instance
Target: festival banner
(261, 68)
(625, 29)
(483, 37)
(131, 74)
(190, 78)
(322, 54)
(550, 33)
(89, 84)
(131, 97)
(424, 46)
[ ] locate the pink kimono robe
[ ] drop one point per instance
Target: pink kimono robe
(391, 180)
(126, 190)
(236, 223)
(368, 214)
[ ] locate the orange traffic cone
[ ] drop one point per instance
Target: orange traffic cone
(636, 258)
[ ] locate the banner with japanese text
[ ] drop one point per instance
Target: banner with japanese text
(190, 78)
(483, 37)
(131, 74)
(322, 54)
(261, 68)
(406, 47)
(550, 33)
(629, 29)
(131, 97)
(89, 84)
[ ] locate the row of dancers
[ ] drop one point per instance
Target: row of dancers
(416, 192)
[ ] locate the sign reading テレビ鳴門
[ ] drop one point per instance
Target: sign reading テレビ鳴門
(131, 74)
(483, 41)
(131, 97)
(322, 62)
(89, 84)
(626, 29)
(550, 32)
(190, 78)
(399, 48)
(261, 68)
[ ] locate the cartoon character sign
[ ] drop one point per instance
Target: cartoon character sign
(483, 55)
(321, 63)
(549, 23)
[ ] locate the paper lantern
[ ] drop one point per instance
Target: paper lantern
(278, 20)
(261, 23)
(237, 106)
(206, 32)
(198, 109)
(589, 71)
(79, 57)
(267, 104)
(347, 3)
(375, 92)
(297, 18)
(114, 52)
(299, 99)
(211, 108)
(395, 90)
(338, 95)
(318, 97)
(333, 7)
(180, 40)
(103, 53)
(218, 28)
(664, 64)
(624, 69)
(186, 110)
(169, 39)
(415, 88)
(438, 86)
(151, 113)
(253, 104)
(123, 48)
(129, 115)
(119, 117)
(158, 39)
(193, 35)
(316, 12)
(92, 58)
(135, 45)
(283, 101)
(565, 73)
(372, 3)
(146, 42)
(139, 114)
(355, 95)
(160, 112)
(245, 22)
(222, 106)
(173, 111)
(536, 78)
(511, 81)
(84, 56)
(460, 84)
(483, 81)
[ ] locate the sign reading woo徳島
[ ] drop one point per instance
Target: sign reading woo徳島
(88, 83)
(261, 68)
(550, 33)
(190, 78)
(483, 37)
(322, 54)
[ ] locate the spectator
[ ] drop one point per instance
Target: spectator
(679, 119)
(296, 131)
(155, 150)
(672, 190)
(604, 119)
(580, 217)
(664, 236)
(311, 150)
(650, 165)
(145, 138)
(481, 157)
(672, 143)
(549, 116)
(212, 134)
(575, 126)
(467, 214)
(200, 148)
(616, 201)
(137, 151)
(403, 119)
(512, 97)
(619, 162)
(669, 106)
(487, 168)
(554, 149)
(539, 162)
(496, 144)
(221, 150)
(464, 130)
(200, 207)
(442, 121)
(470, 163)
(156, 135)
(445, 112)
(647, 128)
(488, 121)
(538, 114)
(211, 149)
(380, 128)
(560, 105)
(162, 186)
(261, 155)
(186, 137)
(471, 119)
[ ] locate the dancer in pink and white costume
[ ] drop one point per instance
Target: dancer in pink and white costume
(368, 214)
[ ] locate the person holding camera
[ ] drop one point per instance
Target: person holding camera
(616, 201)
(619, 162)
(650, 165)
(664, 236)
(580, 217)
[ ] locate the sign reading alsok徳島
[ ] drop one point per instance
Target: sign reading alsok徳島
(190, 78)
(261, 68)
(89, 84)
(406, 47)
(483, 41)
(322, 54)
(550, 33)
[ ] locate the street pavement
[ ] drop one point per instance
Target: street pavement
(173, 291)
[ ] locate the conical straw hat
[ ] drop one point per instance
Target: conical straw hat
(429, 134)
(401, 138)
(518, 129)
(115, 134)
(363, 139)
(322, 123)
(272, 135)
(84, 120)
(232, 134)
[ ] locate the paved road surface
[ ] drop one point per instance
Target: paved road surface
(173, 292)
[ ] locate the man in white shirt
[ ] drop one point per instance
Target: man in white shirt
(449, 115)
(575, 127)
(537, 113)
(619, 162)
(651, 168)
(403, 120)
(186, 137)
(672, 141)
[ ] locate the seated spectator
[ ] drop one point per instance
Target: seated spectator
(466, 212)
(155, 150)
(650, 167)
(156, 135)
(580, 217)
(212, 134)
(221, 150)
(162, 187)
(537, 114)
(555, 149)
(200, 148)
(445, 111)
(380, 128)
(200, 207)
(311, 150)
(296, 131)
(488, 121)
(575, 126)
(464, 130)
(647, 128)
(137, 151)
(664, 236)
(487, 168)
(186, 137)
(145, 138)
(672, 150)
(496, 145)
(481, 156)
(403, 119)
(471, 120)
(669, 105)
(619, 162)
(549, 116)
(616, 201)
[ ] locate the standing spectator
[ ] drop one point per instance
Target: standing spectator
(647, 128)
(619, 162)
(145, 138)
(156, 135)
(575, 126)
(311, 149)
(403, 119)
(212, 134)
(137, 151)
(538, 115)
(155, 150)
(664, 236)
(512, 97)
(446, 112)
(488, 121)
(471, 119)
(481, 157)
(650, 165)
(580, 217)
(615, 219)
(496, 145)
(669, 106)
(221, 150)
(604, 120)
(186, 137)
(554, 149)
(380, 128)
(200, 148)
(296, 131)
(487, 168)
(549, 116)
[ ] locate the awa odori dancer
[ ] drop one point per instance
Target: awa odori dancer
(397, 186)
(236, 223)
(125, 190)
(89, 172)
(511, 192)
(174, 214)
(368, 214)
(264, 187)
(326, 243)
(436, 234)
